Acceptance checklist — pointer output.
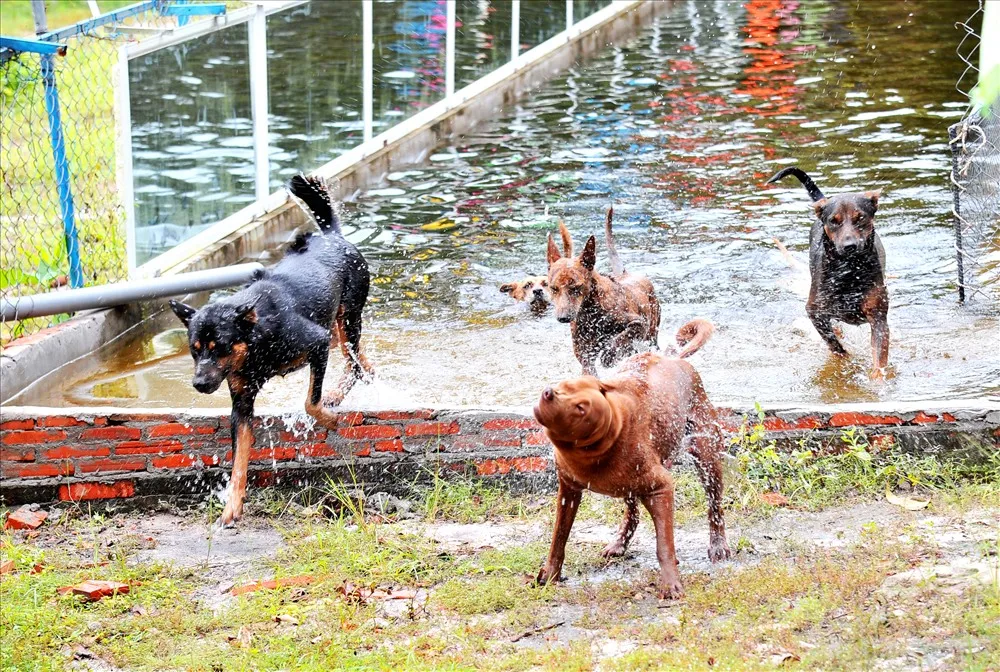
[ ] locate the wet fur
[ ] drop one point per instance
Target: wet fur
(619, 437)
(533, 290)
(288, 317)
(847, 267)
(609, 316)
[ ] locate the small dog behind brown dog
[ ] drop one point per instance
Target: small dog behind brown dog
(609, 316)
(534, 290)
(619, 438)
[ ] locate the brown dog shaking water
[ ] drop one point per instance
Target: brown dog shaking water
(609, 315)
(619, 438)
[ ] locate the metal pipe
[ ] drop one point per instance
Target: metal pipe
(449, 50)
(107, 296)
(257, 46)
(367, 69)
(515, 29)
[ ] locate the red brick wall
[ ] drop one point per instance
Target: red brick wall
(98, 454)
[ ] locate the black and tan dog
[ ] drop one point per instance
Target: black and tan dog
(619, 437)
(847, 265)
(283, 320)
(609, 316)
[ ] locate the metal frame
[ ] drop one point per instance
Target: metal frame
(372, 143)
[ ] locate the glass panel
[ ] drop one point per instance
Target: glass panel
(192, 138)
(540, 20)
(584, 8)
(482, 38)
(314, 69)
(409, 59)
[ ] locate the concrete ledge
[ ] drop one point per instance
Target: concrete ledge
(108, 453)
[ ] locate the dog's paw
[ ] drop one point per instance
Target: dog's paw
(228, 519)
(671, 589)
(718, 550)
(546, 576)
(877, 375)
(615, 549)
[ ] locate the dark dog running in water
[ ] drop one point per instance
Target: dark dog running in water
(281, 322)
(619, 438)
(847, 265)
(608, 315)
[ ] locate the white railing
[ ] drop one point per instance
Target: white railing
(255, 16)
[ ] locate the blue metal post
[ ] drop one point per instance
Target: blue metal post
(63, 186)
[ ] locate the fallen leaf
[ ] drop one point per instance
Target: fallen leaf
(286, 618)
(906, 502)
(774, 499)
(242, 638)
(138, 610)
(784, 657)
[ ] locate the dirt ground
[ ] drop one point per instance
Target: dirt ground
(862, 584)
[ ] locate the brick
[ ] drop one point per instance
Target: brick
(350, 418)
(948, 417)
(302, 437)
(8, 455)
(11, 425)
(880, 442)
(263, 479)
(365, 451)
(506, 465)
(33, 437)
(179, 429)
(174, 461)
(922, 418)
(67, 452)
(90, 466)
(215, 460)
(272, 584)
(117, 433)
(432, 428)
(75, 492)
(858, 419)
(810, 422)
(393, 446)
(502, 441)
(370, 432)
(148, 448)
(64, 421)
(421, 414)
(124, 418)
(318, 450)
(96, 590)
(536, 439)
(23, 519)
(773, 423)
(275, 453)
(510, 423)
(34, 470)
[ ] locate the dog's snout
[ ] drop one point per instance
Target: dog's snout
(204, 385)
(565, 319)
(538, 291)
(548, 394)
(851, 245)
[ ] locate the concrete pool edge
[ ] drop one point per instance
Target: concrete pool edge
(74, 454)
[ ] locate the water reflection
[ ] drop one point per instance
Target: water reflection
(659, 127)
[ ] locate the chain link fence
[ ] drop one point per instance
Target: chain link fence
(975, 177)
(62, 222)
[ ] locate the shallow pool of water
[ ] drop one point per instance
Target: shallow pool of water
(679, 128)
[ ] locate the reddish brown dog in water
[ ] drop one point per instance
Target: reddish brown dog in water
(619, 438)
(609, 315)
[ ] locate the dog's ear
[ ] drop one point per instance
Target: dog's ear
(246, 313)
(873, 196)
(588, 258)
(819, 205)
(552, 253)
(606, 387)
(567, 240)
(507, 288)
(183, 311)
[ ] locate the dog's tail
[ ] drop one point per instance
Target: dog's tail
(315, 200)
(814, 192)
(567, 240)
(693, 335)
(617, 269)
